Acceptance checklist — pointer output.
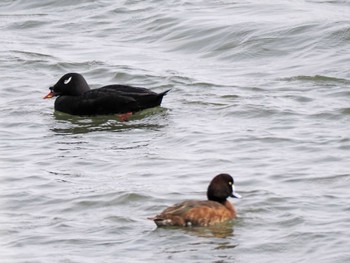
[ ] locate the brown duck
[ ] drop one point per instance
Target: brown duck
(203, 213)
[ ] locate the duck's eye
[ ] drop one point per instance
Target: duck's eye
(67, 80)
(230, 183)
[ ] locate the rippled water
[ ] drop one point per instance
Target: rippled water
(258, 89)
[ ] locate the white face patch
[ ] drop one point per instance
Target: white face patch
(67, 80)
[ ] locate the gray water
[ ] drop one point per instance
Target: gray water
(259, 89)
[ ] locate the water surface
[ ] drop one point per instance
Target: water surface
(259, 90)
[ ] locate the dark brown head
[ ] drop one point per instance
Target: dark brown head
(221, 187)
(71, 84)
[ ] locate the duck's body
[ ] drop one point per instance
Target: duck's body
(196, 213)
(202, 213)
(75, 97)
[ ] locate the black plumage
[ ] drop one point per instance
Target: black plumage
(75, 97)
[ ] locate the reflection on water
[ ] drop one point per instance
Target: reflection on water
(218, 230)
(222, 230)
(70, 124)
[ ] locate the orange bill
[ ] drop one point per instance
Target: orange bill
(50, 95)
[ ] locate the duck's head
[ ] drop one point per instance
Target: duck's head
(71, 84)
(221, 187)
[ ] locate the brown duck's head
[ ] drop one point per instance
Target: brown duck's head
(71, 84)
(221, 187)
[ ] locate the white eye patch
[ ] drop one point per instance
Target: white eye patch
(67, 80)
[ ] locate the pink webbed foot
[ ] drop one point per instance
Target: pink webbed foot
(124, 116)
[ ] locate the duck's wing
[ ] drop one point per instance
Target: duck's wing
(174, 215)
(144, 97)
(207, 214)
(105, 102)
(127, 89)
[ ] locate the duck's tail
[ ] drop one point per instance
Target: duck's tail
(161, 95)
(160, 221)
